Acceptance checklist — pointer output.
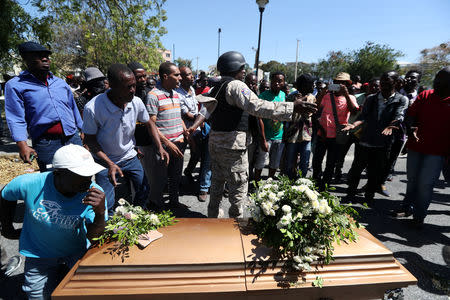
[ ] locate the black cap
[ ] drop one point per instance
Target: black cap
(32, 47)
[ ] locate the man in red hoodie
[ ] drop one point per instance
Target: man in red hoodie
(428, 146)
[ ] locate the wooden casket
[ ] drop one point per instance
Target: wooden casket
(218, 259)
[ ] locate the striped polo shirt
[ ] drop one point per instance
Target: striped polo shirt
(165, 106)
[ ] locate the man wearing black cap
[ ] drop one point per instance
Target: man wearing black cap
(41, 106)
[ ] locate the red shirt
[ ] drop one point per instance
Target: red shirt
(432, 115)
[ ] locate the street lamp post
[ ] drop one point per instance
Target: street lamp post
(262, 4)
(296, 61)
(218, 42)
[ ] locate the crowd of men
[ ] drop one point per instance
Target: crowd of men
(133, 129)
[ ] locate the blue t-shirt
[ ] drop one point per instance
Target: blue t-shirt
(53, 225)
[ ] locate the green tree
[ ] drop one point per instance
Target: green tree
(432, 60)
(103, 32)
(17, 26)
(181, 62)
(335, 62)
(372, 60)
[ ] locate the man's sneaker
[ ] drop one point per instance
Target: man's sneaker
(383, 191)
(12, 265)
(202, 196)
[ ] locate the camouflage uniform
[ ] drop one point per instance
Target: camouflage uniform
(229, 160)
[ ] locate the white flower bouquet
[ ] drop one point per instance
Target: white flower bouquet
(130, 222)
(299, 223)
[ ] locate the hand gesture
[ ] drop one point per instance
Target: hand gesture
(348, 127)
(388, 130)
(26, 154)
(140, 155)
(164, 155)
(413, 134)
(303, 107)
(343, 90)
(264, 146)
(174, 149)
(96, 199)
(112, 170)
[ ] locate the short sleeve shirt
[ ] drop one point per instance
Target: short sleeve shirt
(343, 113)
(53, 225)
(165, 106)
(113, 126)
(273, 129)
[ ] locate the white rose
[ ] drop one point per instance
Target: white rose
(286, 219)
(305, 181)
(322, 209)
(272, 213)
(267, 186)
(308, 249)
(122, 201)
(272, 197)
(262, 194)
(298, 216)
(280, 194)
(308, 259)
(324, 202)
(286, 209)
(311, 195)
(328, 210)
(154, 219)
(315, 204)
(120, 210)
(270, 179)
(266, 207)
(297, 259)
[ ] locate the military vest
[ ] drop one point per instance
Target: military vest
(227, 117)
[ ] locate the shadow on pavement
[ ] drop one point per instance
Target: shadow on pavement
(11, 288)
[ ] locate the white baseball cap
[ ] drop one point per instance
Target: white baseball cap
(76, 159)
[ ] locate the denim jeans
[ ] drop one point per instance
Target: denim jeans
(422, 171)
(200, 152)
(205, 167)
(46, 147)
(42, 275)
(292, 150)
(132, 170)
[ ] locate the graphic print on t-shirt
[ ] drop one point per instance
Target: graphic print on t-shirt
(51, 213)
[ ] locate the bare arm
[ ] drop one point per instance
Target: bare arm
(96, 199)
(170, 146)
(7, 211)
(91, 141)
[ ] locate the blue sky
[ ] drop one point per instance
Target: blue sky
(321, 26)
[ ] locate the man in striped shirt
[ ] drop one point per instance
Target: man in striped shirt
(163, 106)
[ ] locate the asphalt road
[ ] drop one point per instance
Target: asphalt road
(420, 251)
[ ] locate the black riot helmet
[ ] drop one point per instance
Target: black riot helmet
(230, 62)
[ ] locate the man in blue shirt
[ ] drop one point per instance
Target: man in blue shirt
(41, 106)
(109, 125)
(63, 209)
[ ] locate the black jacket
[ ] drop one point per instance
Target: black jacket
(373, 127)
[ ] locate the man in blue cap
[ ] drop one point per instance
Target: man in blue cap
(40, 105)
